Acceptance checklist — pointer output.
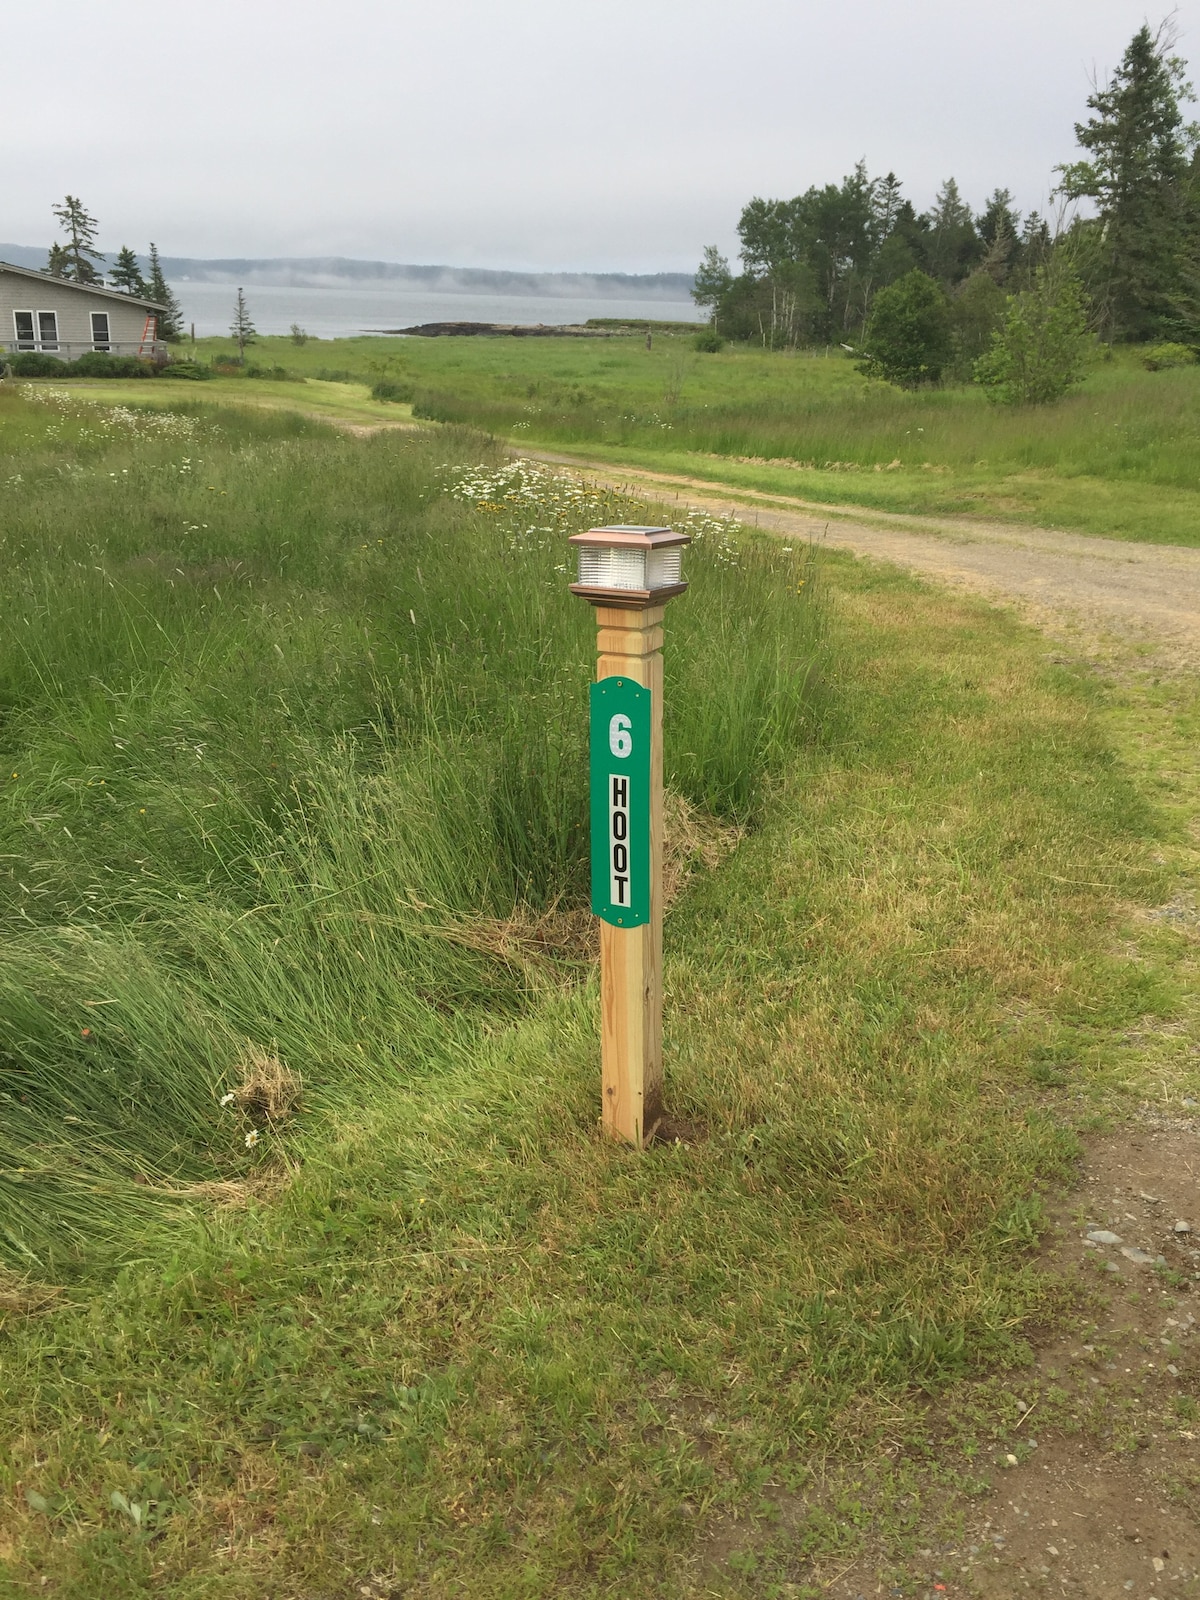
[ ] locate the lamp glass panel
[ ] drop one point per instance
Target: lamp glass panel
(664, 567)
(605, 567)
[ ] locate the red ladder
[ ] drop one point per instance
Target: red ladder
(149, 335)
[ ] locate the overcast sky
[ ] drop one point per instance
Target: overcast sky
(557, 134)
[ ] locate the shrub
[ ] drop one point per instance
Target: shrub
(298, 334)
(186, 369)
(1157, 357)
(32, 364)
(389, 389)
(708, 341)
(99, 364)
(276, 374)
(909, 337)
(1040, 351)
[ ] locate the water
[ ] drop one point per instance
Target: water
(337, 313)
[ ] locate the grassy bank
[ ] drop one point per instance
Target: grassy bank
(288, 724)
(293, 724)
(1116, 458)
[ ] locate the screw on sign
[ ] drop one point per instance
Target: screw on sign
(628, 574)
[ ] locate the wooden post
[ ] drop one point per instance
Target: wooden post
(629, 644)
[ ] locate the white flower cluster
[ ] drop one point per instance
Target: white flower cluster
(521, 489)
(110, 420)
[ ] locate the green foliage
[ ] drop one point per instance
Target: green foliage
(311, 722)
(1158, 357)
(126, 274)
(1042, 349)
(102, 364)
(708, 341)
(76, 258)
(393, 389)
(909, 337)
(170, 319)
(1137, 171)
(976, 311)
(297, 334)
(34, 364)
(242, 329)
(189, 369)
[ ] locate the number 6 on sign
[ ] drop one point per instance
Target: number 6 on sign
(620, 772)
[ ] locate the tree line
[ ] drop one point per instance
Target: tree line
(814, 269)
(76, 258)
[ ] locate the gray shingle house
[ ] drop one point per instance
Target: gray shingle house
(65, 319)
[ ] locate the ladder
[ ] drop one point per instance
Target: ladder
(149, 335)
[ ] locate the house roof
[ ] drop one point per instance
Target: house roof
(84, 288)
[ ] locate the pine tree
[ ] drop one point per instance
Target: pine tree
(125, 274)
(1136, 170)
(954, 244)
(242, 329)
(56, 263)
(79, 253)
(170, 318)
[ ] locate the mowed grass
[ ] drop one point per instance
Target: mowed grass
(1118, 458)
(435, 1335)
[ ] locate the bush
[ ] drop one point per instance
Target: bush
(909, 338)
(276, 374)
(708, 341)
(1157, 357)
(298, 334)
(389, 389)
(99, 364)
(93, 364)
(1040, 351)
(32, 364)
(186, 369)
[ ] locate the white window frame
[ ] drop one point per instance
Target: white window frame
(104, 344)
(32, 342)
(43, 342)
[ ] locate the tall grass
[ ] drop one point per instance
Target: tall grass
(282, 716)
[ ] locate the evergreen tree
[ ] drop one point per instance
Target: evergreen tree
(79, 254)
(170, 318)
(125, 274)
(999, 218)
(954, 245)
(56, 264)
(242, 329)
(1136, 170)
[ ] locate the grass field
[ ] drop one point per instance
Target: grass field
(1117, 458)
(293, 813)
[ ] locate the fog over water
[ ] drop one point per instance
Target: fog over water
(340, 313)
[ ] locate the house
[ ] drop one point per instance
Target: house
(65, 319)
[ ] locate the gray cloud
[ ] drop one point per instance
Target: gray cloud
(541, 134)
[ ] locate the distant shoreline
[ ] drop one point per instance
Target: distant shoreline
(331, 272)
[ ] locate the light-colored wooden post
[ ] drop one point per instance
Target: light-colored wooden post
(629, 644)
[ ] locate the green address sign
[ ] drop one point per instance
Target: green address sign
(620, 764)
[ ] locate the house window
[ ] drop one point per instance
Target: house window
(23, 327)
(100, 339)
(48, 329)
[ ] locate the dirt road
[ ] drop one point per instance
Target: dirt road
(1092, 591)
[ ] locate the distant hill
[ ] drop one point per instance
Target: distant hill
(314, 272)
